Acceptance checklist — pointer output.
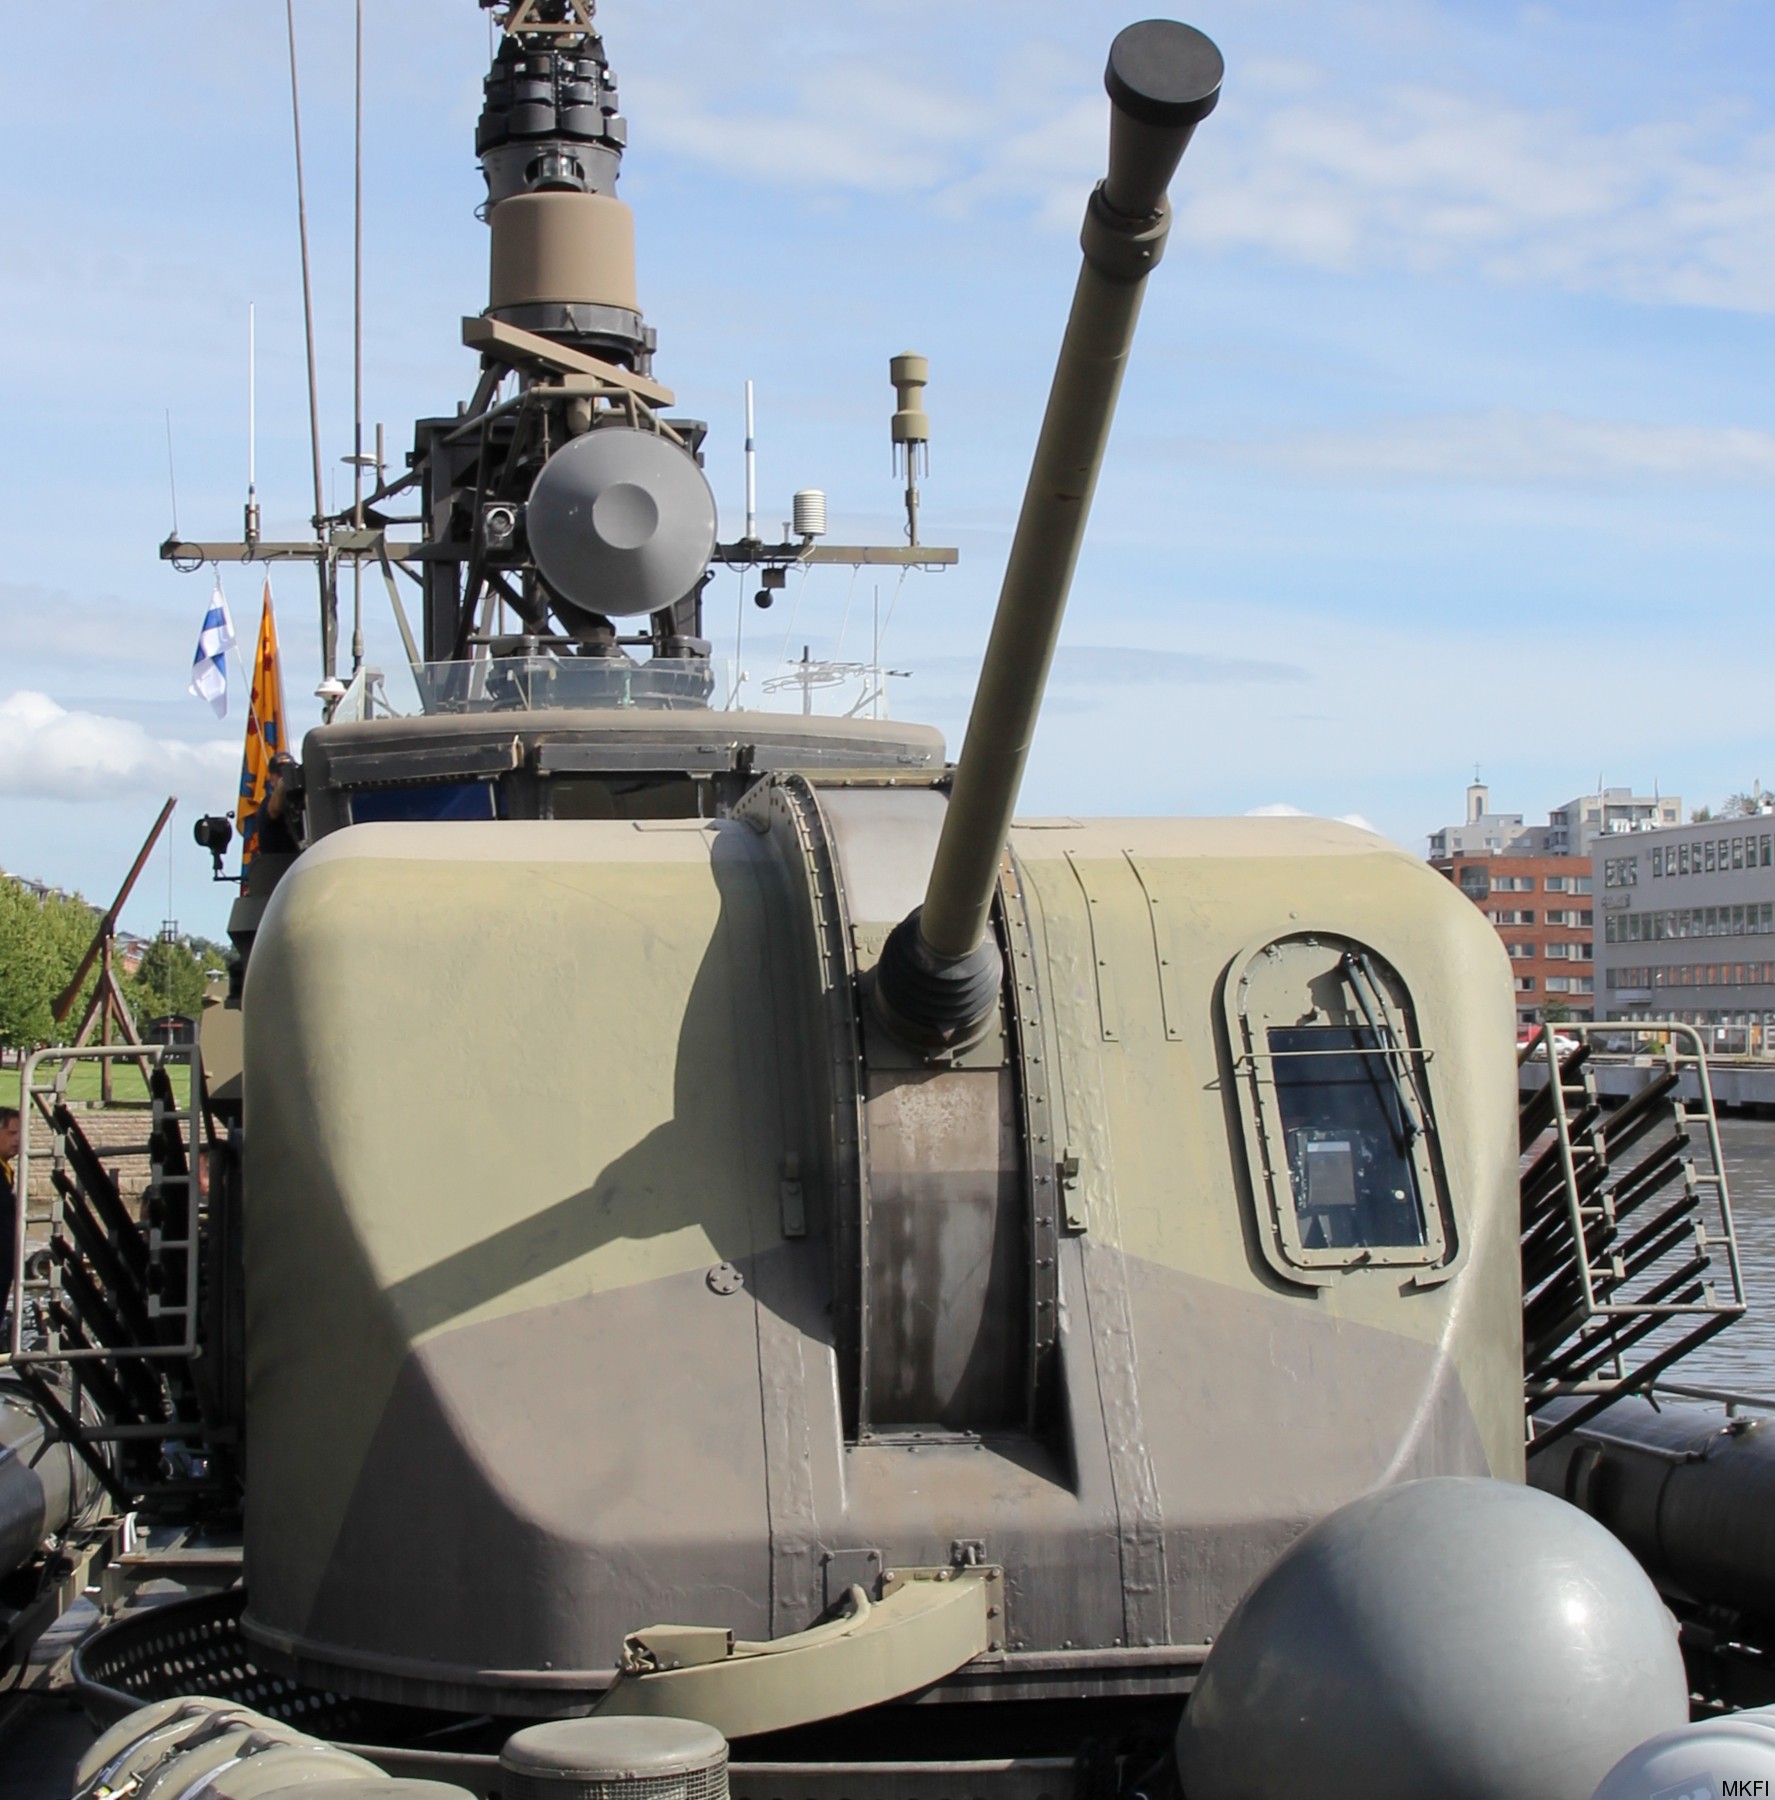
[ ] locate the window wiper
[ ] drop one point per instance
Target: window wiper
(1401, 1069)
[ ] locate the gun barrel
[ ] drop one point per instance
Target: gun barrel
(1163, 79)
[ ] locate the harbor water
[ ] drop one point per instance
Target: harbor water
(1743, 1356)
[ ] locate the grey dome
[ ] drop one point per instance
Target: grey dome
(621, 521)
(1448, 1639)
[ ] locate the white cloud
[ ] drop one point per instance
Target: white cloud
(1511, 446)
(1428, 179)
(850, 126)
(49, 753)
(53, 626)
(1280, 809)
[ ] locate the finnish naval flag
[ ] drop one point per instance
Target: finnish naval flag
(209, 667)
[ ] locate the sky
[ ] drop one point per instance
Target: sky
(1447, 440)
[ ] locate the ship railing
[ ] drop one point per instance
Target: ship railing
(544, 680)
(1629, 1252)
(107, 1262)
(1734, 1400)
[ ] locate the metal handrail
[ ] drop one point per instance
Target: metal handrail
(159, 1056)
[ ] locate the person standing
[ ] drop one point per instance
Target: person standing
(9, 1202)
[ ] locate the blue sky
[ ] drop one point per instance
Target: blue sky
(1447, 440)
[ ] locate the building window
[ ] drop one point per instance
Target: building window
(1657, 862)
(1682, 855)
(1707, 856)
(1583, 984)
(1764, 842)
(1559, 984)
(1525, 984)
(1738, 853)
(1620, 871)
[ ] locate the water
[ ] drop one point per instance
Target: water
(1743, 1356)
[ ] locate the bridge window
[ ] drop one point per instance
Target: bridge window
(429, 801)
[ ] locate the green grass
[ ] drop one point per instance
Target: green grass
(83, 1082)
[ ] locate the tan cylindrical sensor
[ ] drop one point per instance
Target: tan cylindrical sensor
(562, 248)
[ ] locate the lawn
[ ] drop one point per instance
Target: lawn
(83, 1082)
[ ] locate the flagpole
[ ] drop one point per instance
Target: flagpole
(357, 362)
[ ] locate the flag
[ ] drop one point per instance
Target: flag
(209, 667)
(265, 733)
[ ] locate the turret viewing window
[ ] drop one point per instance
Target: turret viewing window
(1347, 1139)
(1340, 1131)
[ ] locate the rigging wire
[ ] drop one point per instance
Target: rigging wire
(796, 609)
(892, 603)
(357, 356)
(845, 617)
(739, 634)
(171, 479)
(329, 629)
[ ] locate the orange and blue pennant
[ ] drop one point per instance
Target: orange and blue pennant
(265, 733)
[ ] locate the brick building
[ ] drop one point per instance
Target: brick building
(1542, 908)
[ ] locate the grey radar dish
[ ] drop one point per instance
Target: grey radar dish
(621, 522)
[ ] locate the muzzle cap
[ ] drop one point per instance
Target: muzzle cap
(1163, 80)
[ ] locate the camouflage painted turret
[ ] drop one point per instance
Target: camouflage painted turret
(737, 1227)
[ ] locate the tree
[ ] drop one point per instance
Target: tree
(171, 979)
(29, 966)
(1701, 815)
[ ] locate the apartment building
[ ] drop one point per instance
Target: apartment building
(1571, 829)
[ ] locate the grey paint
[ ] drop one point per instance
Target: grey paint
(1690, 1493)
(43, 1484)
(622, 521)
(555, 1515)
(1439, 1640)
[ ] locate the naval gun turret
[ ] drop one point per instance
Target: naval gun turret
(734, 1224)
(752, 1215)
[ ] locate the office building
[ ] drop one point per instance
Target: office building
(1688, 927)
